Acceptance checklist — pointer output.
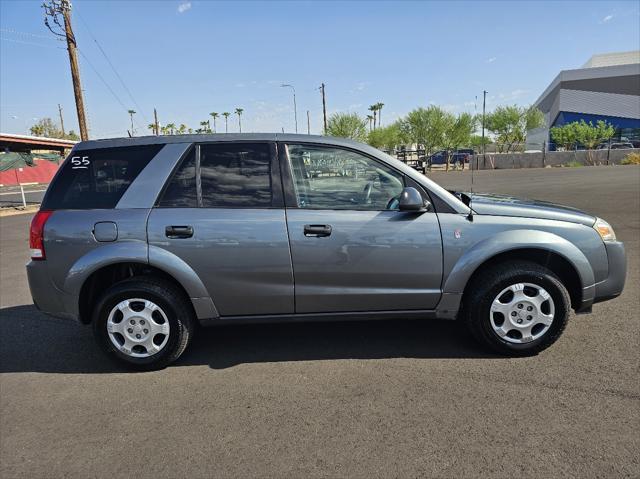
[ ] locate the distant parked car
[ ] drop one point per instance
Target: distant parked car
(621, 146)
(458, 156)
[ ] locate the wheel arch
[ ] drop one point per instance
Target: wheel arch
(91, 275)
(545, 249)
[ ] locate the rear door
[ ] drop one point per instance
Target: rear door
(222, 212)
(352, 250)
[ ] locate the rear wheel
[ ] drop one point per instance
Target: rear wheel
(146, 323)
(516, 308)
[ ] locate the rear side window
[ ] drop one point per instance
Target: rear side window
(97, 179)
(224, 175)
(181, 190)
(235, 176)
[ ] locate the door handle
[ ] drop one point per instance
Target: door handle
(174, 232)
(317, 231)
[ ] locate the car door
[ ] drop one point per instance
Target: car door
(222, 213)
(351, 248)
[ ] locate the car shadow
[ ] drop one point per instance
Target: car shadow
(33, 342)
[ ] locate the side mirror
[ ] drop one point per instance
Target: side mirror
(411, 200)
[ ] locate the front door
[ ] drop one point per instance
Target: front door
(223, 214)
(351, 248)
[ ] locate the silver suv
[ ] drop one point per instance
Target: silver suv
(145, 238)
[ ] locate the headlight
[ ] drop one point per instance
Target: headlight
(604, 229)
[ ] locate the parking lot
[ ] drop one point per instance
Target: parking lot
(368, 399)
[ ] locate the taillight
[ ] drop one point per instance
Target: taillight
(36, 234)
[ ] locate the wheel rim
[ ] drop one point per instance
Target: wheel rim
(138, 327)
(522, 313)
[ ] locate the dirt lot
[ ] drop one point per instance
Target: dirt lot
(378, 399)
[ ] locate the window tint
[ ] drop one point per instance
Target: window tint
(235, 175)
(331, 178)
(181, 190)
(93, 179)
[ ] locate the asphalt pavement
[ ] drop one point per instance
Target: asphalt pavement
(368, 399)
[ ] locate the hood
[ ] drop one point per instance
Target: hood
(499, 205)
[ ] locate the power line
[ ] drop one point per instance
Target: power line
(24, 42)
(112, 66)
(106, 84)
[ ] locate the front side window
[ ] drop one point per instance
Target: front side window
(235, 175)
(337, 179)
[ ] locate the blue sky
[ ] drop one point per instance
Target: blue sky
(188, 58)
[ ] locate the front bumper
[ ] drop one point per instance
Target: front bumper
(614, 284)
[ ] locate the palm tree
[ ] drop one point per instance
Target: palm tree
(171, 127)
(182, 129)
(374, 110)
(152, 127)
(226, 115)
(214, 115)
(203, 124)
(379, 106)
(369, 119)
(131, 113)
(239, 113)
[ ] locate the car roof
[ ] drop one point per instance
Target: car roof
(213, 137)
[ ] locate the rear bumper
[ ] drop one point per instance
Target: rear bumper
(614, 284)
(45, 295)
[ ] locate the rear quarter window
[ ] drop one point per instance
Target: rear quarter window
(97, 179)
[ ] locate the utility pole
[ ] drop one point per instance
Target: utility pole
(308, 124)
(131, 113)
(61, 119)
(324, 108)
(484, 146)
(54, 9)
(155, 122)
(295, 107)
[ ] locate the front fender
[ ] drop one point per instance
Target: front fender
(506, 241)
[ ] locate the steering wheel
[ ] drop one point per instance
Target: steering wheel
(394, 203)
(366, 193)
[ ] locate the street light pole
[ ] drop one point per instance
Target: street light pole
(295, 107)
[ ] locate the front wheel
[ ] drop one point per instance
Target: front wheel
(516, 308)
(144, 322)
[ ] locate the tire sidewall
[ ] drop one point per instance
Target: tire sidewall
(551, 284)
(120, 293)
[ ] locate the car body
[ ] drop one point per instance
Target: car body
(172, 230)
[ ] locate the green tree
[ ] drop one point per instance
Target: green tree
(457, 132)
(510, 124)
(47, 128)
(388, 137)
(171, 129)
(347, 125)
(182, 129)
(425, 127)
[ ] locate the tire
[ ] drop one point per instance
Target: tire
(146, 308)
(488, 300)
